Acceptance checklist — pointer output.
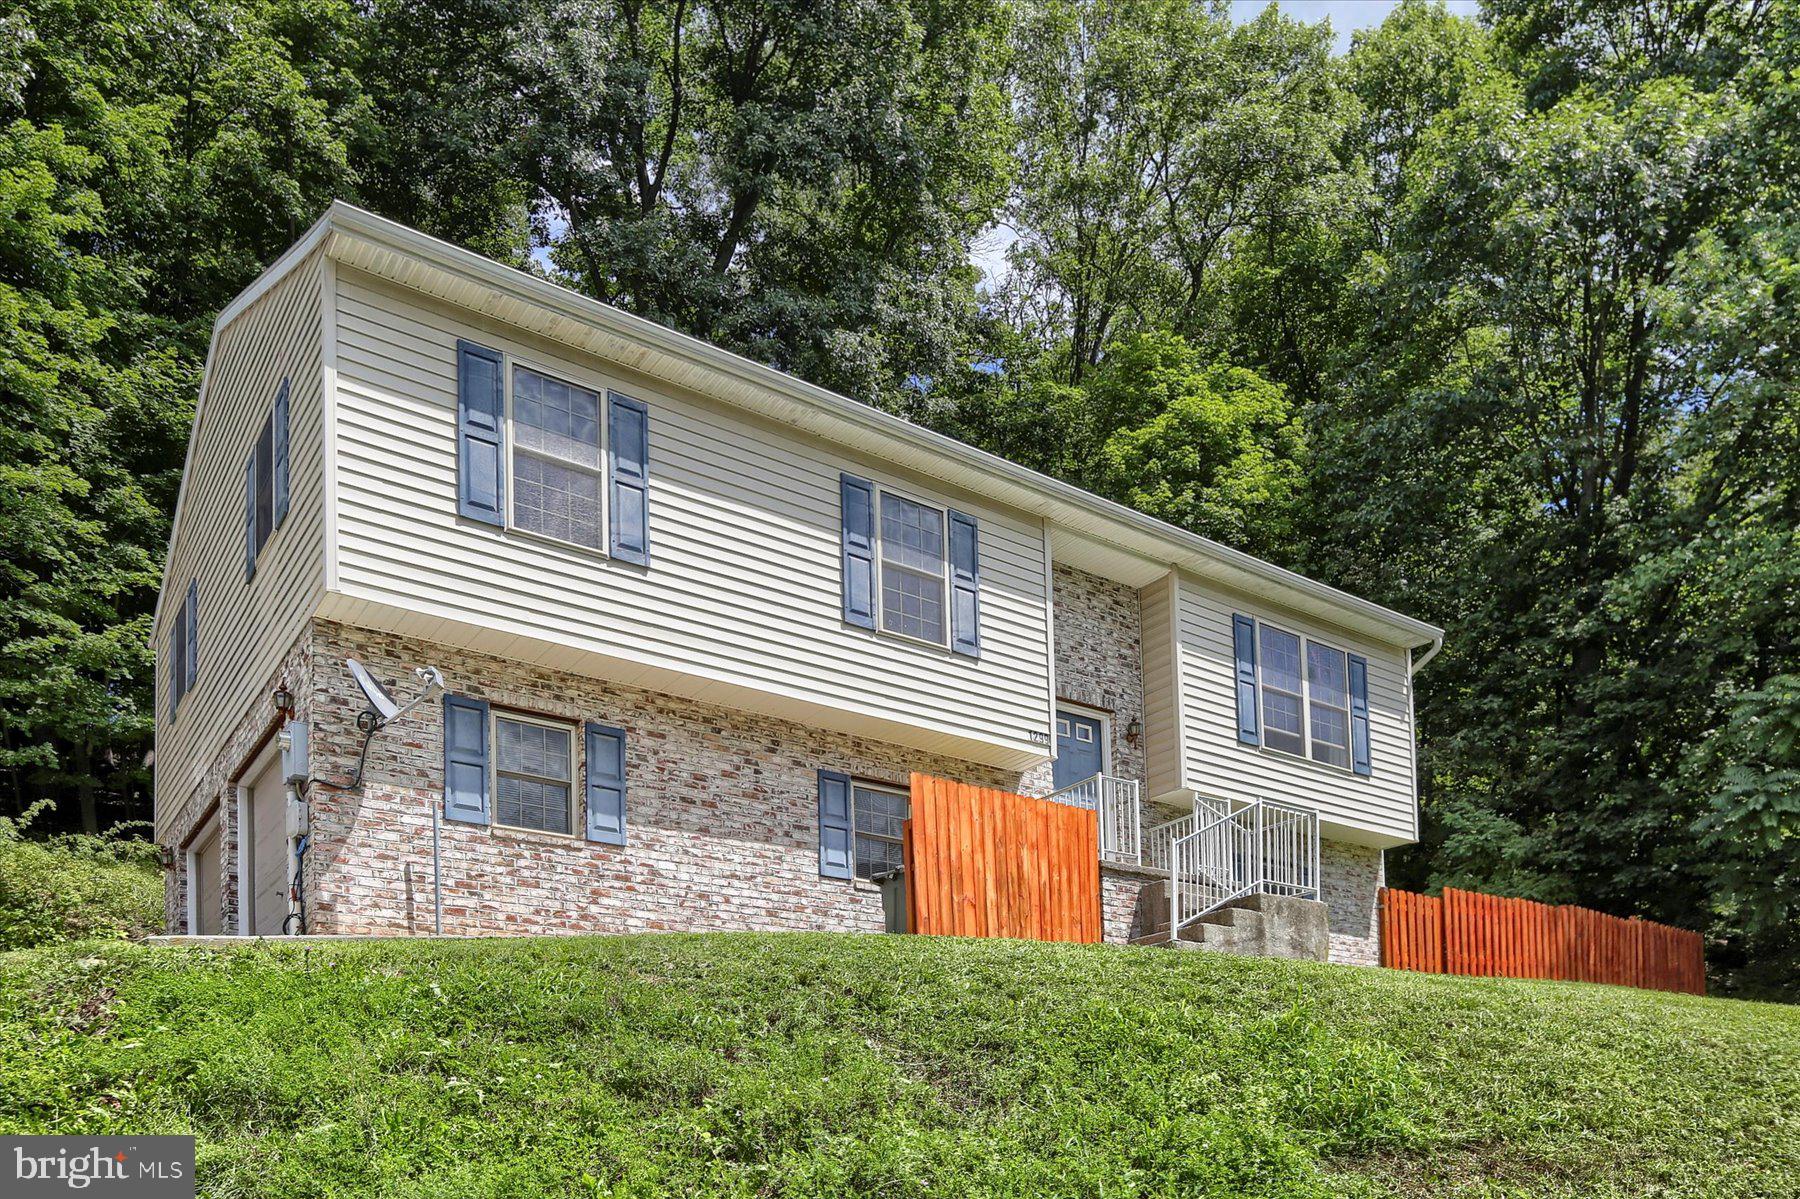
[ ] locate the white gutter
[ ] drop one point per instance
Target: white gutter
(1436, 645)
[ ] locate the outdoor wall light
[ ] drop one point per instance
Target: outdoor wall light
(284, 700)
(1134, 730)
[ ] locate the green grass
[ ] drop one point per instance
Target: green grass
(74, 886)
(894, 1066)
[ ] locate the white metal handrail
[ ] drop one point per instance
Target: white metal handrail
(1159, 839)
(1215, 854)
(1116, 805)
(1266, 847)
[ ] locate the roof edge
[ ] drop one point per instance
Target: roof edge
(347, 218)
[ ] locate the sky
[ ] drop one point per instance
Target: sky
(1346, 16)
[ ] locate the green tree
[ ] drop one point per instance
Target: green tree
(795, 180)
(1153, 136)
(1568, 438)
(1211, 447)
(152, 158)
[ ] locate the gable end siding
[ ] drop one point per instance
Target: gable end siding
(248, 625)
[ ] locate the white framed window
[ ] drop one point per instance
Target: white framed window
(1328, 704)
(876, 815)
(555, 459)
(1303, 692)
(913, 560)
(1283, 690)
(534, 772)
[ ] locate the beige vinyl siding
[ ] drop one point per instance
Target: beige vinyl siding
(1162, 699)
(1378, 810)
(742, 597)
(244, 628)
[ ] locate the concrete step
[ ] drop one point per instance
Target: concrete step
(1293, 928)
(1154, 897)
(1234, 917)
(1261, 925)
(1244, 940)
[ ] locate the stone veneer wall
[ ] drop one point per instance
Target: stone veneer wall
(721, 811)
(1121, 915)
(1099, 658)
(1352, 876)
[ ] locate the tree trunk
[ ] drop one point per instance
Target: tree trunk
(84, 787)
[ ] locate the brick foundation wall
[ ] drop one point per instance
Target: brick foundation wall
(1352, 876)
(722, 805)
(722, 812)
(1121, 915)
(722, 817)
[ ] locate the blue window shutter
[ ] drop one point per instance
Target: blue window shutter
(965, 585)
(1359, 715)
(834, 824)
(177, 656)
(480, 404)
(250, 517)
(465, 759)
(628, 452)
(281, 454)
(605, 784)
(190, 665)
(857, 516)
(1243, 636)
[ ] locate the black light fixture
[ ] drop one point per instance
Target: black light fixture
(284, 701)
(1134, 730)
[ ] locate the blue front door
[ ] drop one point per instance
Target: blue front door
(1079, 753)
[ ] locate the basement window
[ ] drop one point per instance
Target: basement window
(877, 814)
(533, 768)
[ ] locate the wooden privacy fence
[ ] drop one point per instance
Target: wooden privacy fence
(1465, 932)
(987, 863)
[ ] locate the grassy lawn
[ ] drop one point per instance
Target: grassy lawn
(892, 1066)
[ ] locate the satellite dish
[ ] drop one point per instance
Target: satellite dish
(380, 702)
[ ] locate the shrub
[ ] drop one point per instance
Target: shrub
(68, 887)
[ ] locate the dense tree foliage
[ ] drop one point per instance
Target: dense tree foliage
(799, 181)
(152, 158)
(1490, 320)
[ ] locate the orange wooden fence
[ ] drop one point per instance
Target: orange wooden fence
(987, 863)
(1465, 932)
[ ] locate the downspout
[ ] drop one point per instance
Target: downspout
(1412, 720)
(437, 871)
